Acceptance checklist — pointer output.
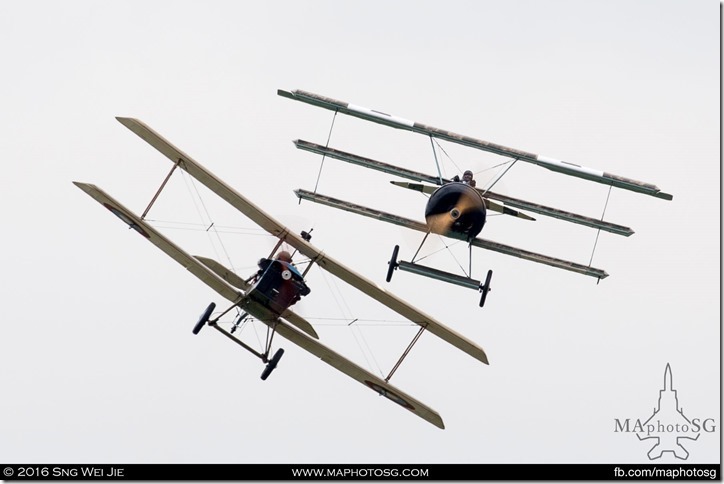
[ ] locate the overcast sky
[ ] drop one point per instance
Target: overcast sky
(98, 360)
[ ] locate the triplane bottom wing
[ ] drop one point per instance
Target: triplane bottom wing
(477, 242)
(221, 285)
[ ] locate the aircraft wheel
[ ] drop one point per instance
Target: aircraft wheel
(485, 288)
(272, 363)
(392, 264)
(204, 318)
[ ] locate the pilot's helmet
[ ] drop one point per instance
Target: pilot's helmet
(468, 173)
(284, 256)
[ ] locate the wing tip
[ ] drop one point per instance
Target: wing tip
(86, 187)
(129, 122)
(287, 94)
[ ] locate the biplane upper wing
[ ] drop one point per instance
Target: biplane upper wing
(269, 224)
(212, 273)
(487, 194)
(477, 242)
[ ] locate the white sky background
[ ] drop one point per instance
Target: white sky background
(98, 360)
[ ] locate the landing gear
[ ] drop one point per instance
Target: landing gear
(204, 318)
(272, 363)
(485, 288)
(392, 263)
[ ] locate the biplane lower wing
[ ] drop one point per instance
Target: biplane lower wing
(478, 242)
(269, 224)
(221, 285)
(208, 270)
(353, 370)
(209, 277)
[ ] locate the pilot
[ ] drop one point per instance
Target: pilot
(468, 178)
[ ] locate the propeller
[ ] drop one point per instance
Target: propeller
(441, 223)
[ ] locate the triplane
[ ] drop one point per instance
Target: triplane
(268, 294)
(456, 208)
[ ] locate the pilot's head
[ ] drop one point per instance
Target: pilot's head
(284, 256)
(468, 175)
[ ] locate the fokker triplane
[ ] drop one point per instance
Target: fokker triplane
(268, 294)
(456, 208)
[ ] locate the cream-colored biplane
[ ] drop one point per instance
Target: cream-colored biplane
(268, 294)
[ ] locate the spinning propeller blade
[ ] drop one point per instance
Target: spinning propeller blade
(440, 223)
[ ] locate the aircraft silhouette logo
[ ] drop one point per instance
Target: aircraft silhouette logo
(668, 425)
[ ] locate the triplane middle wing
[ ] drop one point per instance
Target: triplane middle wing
(268, 295)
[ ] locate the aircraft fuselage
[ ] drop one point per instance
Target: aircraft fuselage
(278, 286)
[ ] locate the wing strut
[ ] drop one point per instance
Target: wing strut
(437, 163)
(405, 353)
(599, 230)
(160, 189)
(329, 137)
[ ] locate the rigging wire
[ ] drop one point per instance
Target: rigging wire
(453, 256)
(492, 167)
(364, 322)
(499, 177)
(224, 229)
(437, 163)
(438, 250)
(364, 346)
(190, 182)
(479, 171)
(448, 156)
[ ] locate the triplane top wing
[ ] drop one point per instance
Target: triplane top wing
(406, 124)
(249, 296)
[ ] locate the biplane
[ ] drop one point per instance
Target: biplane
(269, 293)
(455, 207)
